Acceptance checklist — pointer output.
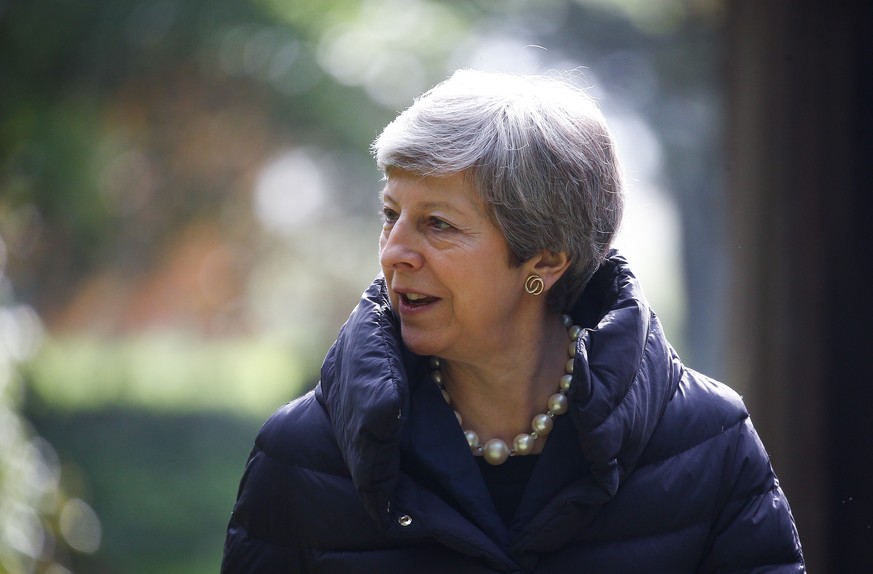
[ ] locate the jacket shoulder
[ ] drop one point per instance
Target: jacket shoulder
(300, 434)
(295, 475)
(706, 451)
(701, 410)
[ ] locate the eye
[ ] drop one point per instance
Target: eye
(440, 225)
(389, 216)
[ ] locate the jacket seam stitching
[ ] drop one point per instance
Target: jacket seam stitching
(290, 463)
(725, 430)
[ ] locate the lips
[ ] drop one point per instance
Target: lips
(411, 301)
(416, 299)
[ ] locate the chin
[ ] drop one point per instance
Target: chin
(419, 343)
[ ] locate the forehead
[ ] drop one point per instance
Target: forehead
(453, 190)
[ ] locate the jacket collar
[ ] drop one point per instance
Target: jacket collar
(364, 390)
(625, 372)
(624, 375)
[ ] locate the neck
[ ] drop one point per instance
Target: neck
(499, 395)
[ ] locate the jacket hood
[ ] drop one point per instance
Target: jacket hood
(364, 389)
(625, 372)
(624, 375)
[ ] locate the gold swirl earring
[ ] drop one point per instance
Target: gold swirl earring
(534, 284)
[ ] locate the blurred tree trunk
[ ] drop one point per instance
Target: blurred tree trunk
(800, 148)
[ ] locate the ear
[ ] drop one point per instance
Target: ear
(550, 266)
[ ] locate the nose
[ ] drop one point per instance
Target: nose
(398, 247)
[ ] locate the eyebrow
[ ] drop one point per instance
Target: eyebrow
(427, 205)
(440, 205)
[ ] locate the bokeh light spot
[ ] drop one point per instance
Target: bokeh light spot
(289, 190)
(80, 526)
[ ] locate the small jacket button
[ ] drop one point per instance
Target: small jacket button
(404, 520)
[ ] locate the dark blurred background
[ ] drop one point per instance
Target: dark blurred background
(188, 212)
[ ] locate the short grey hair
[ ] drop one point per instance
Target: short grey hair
(537, 151)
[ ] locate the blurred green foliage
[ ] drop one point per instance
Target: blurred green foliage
(40, 519)
(194, 90)
(168, 373)
(162, 483)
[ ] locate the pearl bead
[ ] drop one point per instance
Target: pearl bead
(558, 404)
(446, 396)
(542, 424)
(496, 451)
(472, 439)
(523, 444)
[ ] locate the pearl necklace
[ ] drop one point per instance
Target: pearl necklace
(496, 451)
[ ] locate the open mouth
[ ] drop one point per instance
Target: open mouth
(416, 300)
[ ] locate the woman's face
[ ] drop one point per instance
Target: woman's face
(447, 268)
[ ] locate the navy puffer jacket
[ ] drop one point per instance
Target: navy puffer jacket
(655, 468)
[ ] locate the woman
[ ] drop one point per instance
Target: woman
(503, 399)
